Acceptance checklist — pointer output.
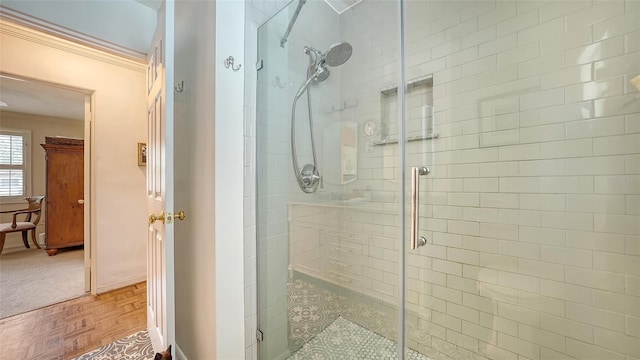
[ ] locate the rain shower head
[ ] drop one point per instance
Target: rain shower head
(338, 54)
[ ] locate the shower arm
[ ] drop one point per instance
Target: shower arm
(293, 20)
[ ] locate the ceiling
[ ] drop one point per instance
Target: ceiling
(33, 97)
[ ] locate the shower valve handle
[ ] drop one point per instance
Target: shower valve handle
(310, 179)
(309, 175)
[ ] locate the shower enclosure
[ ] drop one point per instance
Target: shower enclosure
(449, 180)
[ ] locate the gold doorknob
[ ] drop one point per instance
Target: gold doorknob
(81, 201)
(180, 215)
(153, 218)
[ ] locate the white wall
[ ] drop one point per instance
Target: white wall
(229, 250)
(119, 115)
(209, 267)
(194, 116)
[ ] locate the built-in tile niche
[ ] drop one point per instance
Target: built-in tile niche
(419, 112)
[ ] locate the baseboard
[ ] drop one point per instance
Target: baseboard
(179, 354)
(119, 285)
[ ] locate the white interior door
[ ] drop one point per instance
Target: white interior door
(160, 239)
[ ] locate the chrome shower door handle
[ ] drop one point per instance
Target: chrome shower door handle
(416, 240)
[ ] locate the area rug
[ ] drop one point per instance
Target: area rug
(30, 279)
(133, 347)
(344, 340)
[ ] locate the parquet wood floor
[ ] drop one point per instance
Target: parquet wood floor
(66, 330)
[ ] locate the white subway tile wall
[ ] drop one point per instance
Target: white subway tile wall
(532, 208)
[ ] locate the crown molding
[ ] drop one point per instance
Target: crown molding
(8, 28)
(9, 15)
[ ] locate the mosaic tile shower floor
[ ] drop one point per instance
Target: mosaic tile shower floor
(312, 309)
(325, 325)
(344, 340)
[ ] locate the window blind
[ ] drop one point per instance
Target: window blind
(12, 165)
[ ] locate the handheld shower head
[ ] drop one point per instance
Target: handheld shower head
(321, 74)
(318, 72)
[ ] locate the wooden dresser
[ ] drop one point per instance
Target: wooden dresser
(64, 200)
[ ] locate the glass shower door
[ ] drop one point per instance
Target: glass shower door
(529, 213)
(328, 253)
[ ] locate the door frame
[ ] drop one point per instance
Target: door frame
(90, 251)
(89, 176)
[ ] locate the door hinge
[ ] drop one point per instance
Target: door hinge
(259, 335)
(259, 65)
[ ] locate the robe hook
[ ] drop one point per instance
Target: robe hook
(228, 63)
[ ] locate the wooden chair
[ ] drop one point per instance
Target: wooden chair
(35, 208)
